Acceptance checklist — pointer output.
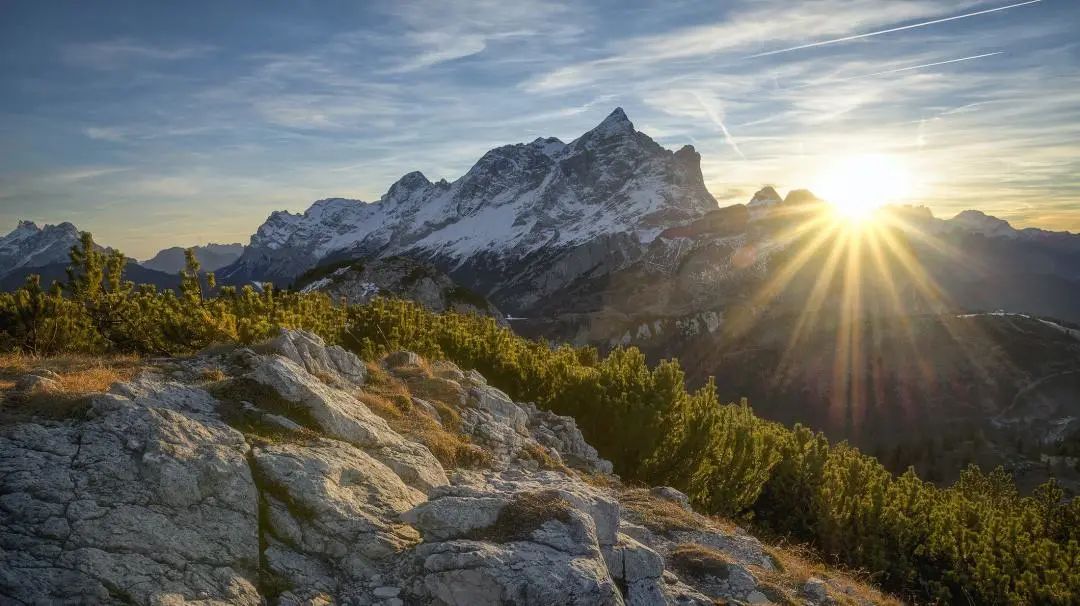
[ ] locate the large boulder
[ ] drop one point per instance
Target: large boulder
(326, 361)
(338, 414)
(500, 406)
(545, 554)
(331, 501)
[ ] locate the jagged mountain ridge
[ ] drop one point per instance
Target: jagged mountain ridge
(211, 257)
(534, 215)
(44, 251)
(29, 245)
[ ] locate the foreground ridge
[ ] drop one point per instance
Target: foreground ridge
(293, 472)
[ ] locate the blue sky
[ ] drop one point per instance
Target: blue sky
(155, 124)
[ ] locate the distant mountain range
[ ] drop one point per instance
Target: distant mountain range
(611, 239)
(212, 257)
(528, 221)
(30, 249)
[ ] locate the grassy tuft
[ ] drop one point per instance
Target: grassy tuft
(700, 561)
(527, 512)
(660, 515)
(795, 564)
(451, 448)
(543, 458)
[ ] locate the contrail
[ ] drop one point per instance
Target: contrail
(720, 123)
(890, 30)
(900, 69)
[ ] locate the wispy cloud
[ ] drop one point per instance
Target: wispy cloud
(104, 133)
(85, 173)
(167, 129)
(900, 69)
(121, 52)
(890, 30)
(738, 32)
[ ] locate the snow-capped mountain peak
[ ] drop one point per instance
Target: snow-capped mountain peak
(976, 221)
(518, 201)
(615, 125)
(29, 245)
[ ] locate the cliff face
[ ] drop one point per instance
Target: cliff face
(293, 473)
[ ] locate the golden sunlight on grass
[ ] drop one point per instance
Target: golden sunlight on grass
(79, 377)
(79, 374)
(793, 564)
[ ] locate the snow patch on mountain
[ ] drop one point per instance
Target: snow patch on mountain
(31, 246)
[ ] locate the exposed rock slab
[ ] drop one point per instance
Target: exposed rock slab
(152, 500)
(340, 415)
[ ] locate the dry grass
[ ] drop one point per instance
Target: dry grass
(79, 374)
(389, 394)
(523, 515)
(795, 564)
(700, 561)
(80, 377)
(543, 458)
(451, 448)
(382, 382)
(436, 389)
(659, 515)
(422, 382)
(599, 480)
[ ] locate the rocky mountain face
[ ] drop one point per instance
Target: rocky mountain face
(212, 257)
(357, 282)
(521, 223)
(247, 477)
(29, 246)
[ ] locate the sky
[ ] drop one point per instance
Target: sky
(156, 124)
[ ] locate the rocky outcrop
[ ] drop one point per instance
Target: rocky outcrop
(359, 281)
(272, 482)
(151, 499)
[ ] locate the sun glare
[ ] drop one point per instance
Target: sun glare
(857, 185)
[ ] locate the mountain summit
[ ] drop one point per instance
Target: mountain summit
(542, 212)
(31, 246)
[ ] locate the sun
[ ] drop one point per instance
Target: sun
(858, 185)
